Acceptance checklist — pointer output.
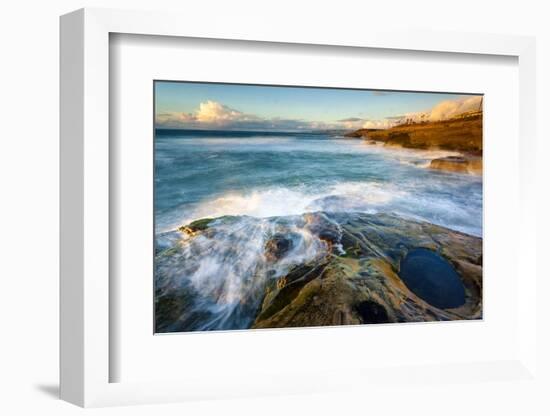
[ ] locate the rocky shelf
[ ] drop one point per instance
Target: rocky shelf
(459, 134)
(461, 164)
(374, 268)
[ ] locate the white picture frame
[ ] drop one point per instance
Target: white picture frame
(85, 212)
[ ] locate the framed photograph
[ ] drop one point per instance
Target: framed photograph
(249, 215)
(279, 207)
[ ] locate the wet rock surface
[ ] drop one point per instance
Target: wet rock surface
(461, 164)
(363, 284)
(277, 246)
(367, 269)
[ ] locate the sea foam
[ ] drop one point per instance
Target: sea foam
(281, 201)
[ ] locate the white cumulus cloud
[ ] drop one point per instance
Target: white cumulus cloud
(449, 108)
(215, 113)
(441, 111)
(212, 114)
(378, 124)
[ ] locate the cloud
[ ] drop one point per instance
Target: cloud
(441, 111)
(378, 124)
(446, 109)
(214, 115)
(450, 108)
(350, 119)
(212, 112)
(174, 120)
(350, 123)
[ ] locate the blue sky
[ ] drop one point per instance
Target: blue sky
(233, 106)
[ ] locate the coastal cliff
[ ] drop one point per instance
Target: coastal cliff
(462, 134)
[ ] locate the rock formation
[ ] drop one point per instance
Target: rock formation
(461, 164)
(373, 268)
(460, 134)
(359, 282)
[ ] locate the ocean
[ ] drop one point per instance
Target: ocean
(264, 174)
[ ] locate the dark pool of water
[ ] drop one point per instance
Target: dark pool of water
(432, 278)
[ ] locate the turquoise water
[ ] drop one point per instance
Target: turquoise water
(209, 174)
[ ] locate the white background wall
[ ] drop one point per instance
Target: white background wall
(29, 200)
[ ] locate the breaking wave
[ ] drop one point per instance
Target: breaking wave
(369, 197)
(284, 201)
(224, 271)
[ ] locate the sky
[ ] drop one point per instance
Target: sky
(216, 106)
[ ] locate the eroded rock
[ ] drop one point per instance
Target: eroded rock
(460, 164)
(363, 285)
